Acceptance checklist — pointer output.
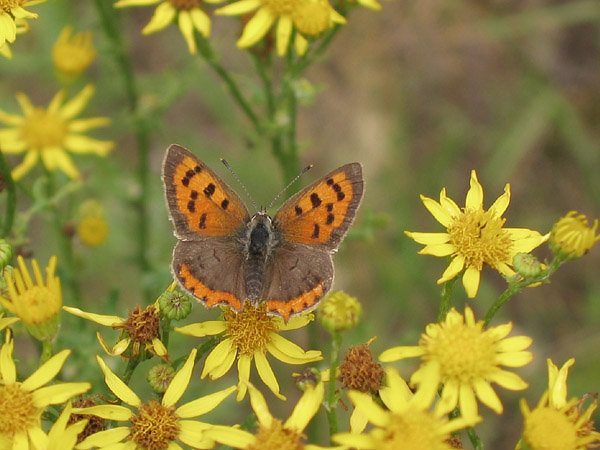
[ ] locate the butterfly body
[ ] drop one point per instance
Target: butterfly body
(225, 256)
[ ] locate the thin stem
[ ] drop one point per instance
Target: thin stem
(132, 363)
(332, 399)
(517, 286)
(47, 351)
(111, 27)
(11, 196)
(211, 57)
(447, 291)
(474, 438)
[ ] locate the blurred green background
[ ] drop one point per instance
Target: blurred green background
(420, 93)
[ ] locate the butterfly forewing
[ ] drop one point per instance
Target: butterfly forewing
(200, 203)
(321, 213)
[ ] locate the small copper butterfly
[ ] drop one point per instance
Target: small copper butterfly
(225, 256)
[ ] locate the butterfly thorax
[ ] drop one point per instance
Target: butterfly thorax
(260, 241)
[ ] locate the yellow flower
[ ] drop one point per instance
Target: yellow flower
(190, 16)
(407, 424)
(475, 236)
(141, 328)
(49, 132)
(465, 358)
(6, 322)
(273, 434)
(92, 227)
(62, 435)
(310, 17)
(11, 11)
(339, 311)
(155, 425)
(23, 402)
(558, 424)
(37, 303)
(22, 26)
(249, 335)
(571, 237)
(71, 55)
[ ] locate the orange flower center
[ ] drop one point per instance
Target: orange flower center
(251, 329)
(41, 130)
(154, 427)
(276, 437)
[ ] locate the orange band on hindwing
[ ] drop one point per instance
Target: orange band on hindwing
(296, 305)
(207, 295)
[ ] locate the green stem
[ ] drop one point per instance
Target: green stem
(132, 363)
(11, 196)
(47, 351)
(211, 57)
(65, 244)
(165, 327)
(517, 286)
(111, 27)
(474, 438)
(332, 398)
(447, 291)
(315, 52)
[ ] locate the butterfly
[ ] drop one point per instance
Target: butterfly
(225, 256)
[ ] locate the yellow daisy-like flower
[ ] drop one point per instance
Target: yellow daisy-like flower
(558, 424)
(50, 132)
(72, 54)
(475, 236)
(308, 17)
(22, 26)
(141, 327)
(11, 11)
(273, 434)
(23, 402)
(407, 424)
(571, 237)
(248, 336)
(190, 16)
(155, 425)
(36, 303)
(465, 358)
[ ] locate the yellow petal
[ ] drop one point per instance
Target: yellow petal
(107, 321)
(436, 210)
(471, 280)
(204, 404)
(306, 408)
(369, 408)
(401, 352)
(187, 30)
(454, 268)
(467, 401)
(125, 3)
(201, 21)
(103, 439)
(162, 17)
(499, 207)
(46, 371)
(74, 106)
(448, 399)
(193, 433)
(259, 406)
(474, 198)
(230, 436)
(55, 158)
(300, 44)
(352, 440)
(295, 322)
(428, 238)
(284, 32)
(8, 370)
(358, 421)
(256, 28)
(180, 381)
(82, 125)
(266, 373)
(58, 393)
(508, 380)
(109, 412)
(29, 161)
(514, 359)
(117, 386)
(440, 250)
(488, 396)
(243, 367)
(78, 143)
(289, 352)
(220, 360)
(202, 329)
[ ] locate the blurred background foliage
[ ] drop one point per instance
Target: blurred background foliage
(421, 93)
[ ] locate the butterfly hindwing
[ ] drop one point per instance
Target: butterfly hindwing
(200, 203)
(322, 213)
(211, 270)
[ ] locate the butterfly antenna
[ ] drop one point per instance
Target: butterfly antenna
(306, 169)
(235, 175)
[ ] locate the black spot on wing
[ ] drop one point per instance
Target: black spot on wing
(316, 231)
(209, 190)
(315, 199)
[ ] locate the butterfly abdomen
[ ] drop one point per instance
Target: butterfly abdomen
(259, 246)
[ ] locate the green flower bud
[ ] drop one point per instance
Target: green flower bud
(160, 376)
(174, 304)
(339, 311)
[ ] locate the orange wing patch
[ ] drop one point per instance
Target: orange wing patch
(296, 305)
(313, 217)
(207, 295)
(204, 202)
